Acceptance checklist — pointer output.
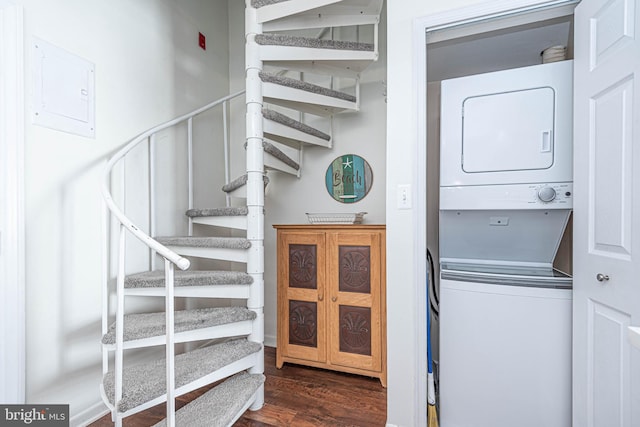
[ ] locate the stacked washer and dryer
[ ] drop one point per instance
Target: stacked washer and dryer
(505, 201)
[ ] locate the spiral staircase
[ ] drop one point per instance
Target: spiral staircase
(283, 67)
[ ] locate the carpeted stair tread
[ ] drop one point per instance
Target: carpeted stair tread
(145, 382)
(147, 325)
(261, 3)
(239, 182)
(294, 124)
(227, 211)
(219, 406)
(206, 242)
(155, 279)
(296, 41)
(278, 154)
(308, 87)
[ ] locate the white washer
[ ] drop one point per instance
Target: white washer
(505, 352)
(505, 317)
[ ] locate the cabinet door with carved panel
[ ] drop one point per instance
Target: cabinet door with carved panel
(331, 297)
(301, 288)
(354, 281)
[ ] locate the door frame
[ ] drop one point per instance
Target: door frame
(12, 239)
(421, 25)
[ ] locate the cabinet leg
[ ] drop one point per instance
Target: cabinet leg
(383, 380)
(279, 361)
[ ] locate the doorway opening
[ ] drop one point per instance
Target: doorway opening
(487, 45)
(492, 37)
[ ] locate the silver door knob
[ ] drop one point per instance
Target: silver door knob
(602, 277)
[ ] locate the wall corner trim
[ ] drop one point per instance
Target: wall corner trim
(12, 259)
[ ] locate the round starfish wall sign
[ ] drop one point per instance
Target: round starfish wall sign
(349, 178)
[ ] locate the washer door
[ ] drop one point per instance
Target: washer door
(517, 237)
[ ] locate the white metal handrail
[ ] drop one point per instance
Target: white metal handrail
(170, 257)
(162, 250)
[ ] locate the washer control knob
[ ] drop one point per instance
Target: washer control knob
(546, 194)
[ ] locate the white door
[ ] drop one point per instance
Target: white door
(606, 367)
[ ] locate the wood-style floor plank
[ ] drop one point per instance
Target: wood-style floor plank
(296, 396)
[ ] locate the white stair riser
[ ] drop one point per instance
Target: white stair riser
(236, 222)
(240, 192)
(294, 53)
(273, 163)
(338, 14)
(328, 68)
(236, 255)
(214, 291)
(323, 111)
(290, 136)
(242, 328)
(325, 21)
(288, 8)
(308, 102)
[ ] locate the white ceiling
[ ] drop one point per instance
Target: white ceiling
(497, 50)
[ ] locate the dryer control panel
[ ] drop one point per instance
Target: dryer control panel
(553, 193)
(549, 195)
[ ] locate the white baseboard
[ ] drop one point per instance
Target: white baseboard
(270, 341)
(89, 415)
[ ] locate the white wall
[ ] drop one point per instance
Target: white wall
(12, 365)
(406, 272)
(149, 69)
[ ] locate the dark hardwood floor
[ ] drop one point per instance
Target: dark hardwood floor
(296, 396)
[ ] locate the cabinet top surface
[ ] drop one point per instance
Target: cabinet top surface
(330, 226)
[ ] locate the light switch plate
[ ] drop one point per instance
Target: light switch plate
(404, 196)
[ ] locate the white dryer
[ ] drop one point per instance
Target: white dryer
(508, 127)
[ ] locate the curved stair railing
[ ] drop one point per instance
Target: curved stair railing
(234, 336)
(172, 259)
(114, 209)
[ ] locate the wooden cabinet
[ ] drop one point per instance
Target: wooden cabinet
(331, 297)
